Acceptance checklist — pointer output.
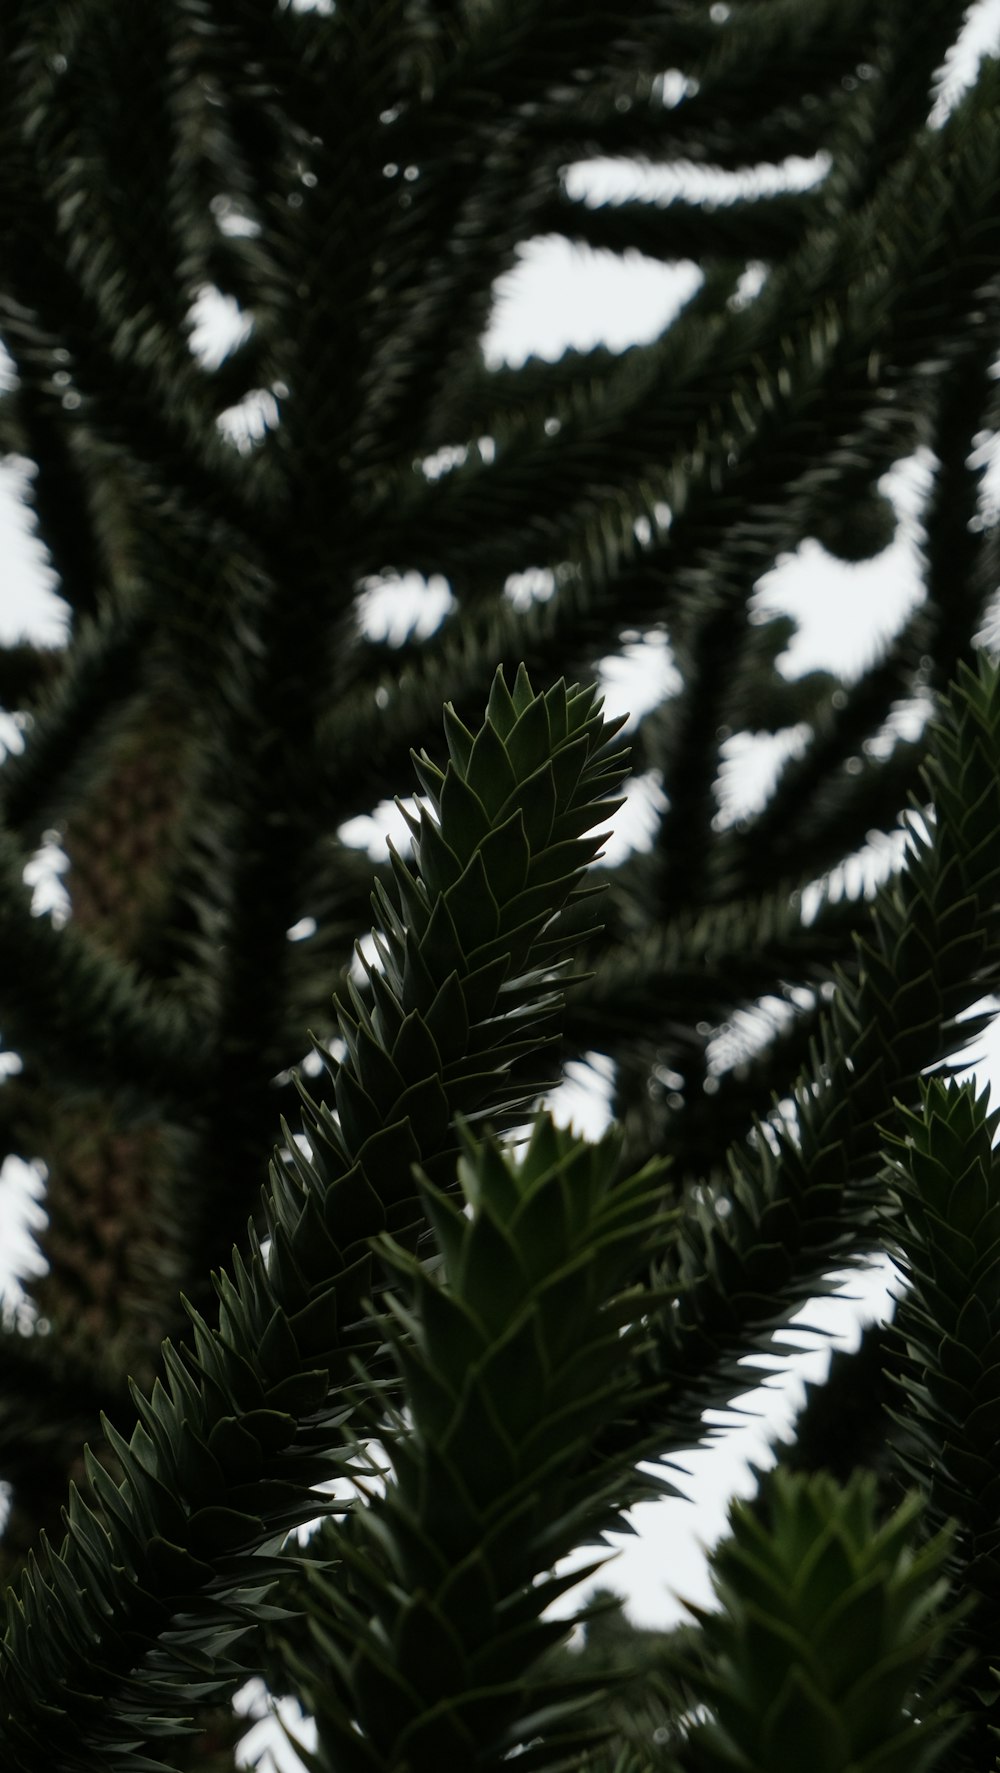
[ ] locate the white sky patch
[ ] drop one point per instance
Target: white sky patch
(746, 1031)
(666, 1563)
(21, 1190)
(615, 181)
(583, 1099)
(846, 612)
(372, 831)
(638, 678)
(218, 325)
(859, 874)
(986, 455)
(534, 585)
(248, 422)
(231, 219)
(11, 733)
(43, 874)
(265, 1746)
(979, 36)
(749, 284)
(562, 296)
(749, 768)
(395, 609)
(444, 460)
(635, 824)
(29, 603)
(907, 720)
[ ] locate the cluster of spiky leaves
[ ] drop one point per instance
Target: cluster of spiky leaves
(946, 1240)
(830, 1622)
(250, 1418)
(513, 1353)
(227, 1450)
(472, 937)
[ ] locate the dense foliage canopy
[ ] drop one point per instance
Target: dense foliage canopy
(303, 1227)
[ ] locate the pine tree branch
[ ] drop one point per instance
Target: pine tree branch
(230, 1445)
(131, 328)
(767, 490)
(758, 228)
(98, 1015)
(707, 965)
(825, 1643)
(806, 814)
(764, 84)
(790, 303)
(513, 1357)
(877, 130)
(717, 1107)
(803, 1198)
(94, 677)
(490, 199)
(944, 1236)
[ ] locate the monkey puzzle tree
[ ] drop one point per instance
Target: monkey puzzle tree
(521, 1339)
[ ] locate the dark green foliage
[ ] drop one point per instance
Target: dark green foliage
(514, 1355)
(355, 180)
(250, 1418)
(844, 1422)
(742, 1270)
(827, 1627)
(646, 1697)
(947, 1190)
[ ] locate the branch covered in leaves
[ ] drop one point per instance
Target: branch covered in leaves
(431, 1636)
(945, 1236)
(829, 1623)
(139, 1616)
(806, 1188)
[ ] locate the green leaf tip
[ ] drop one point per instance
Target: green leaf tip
(517, 1350)
(822, 1654)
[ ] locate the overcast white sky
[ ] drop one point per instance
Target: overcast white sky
(563, 295)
